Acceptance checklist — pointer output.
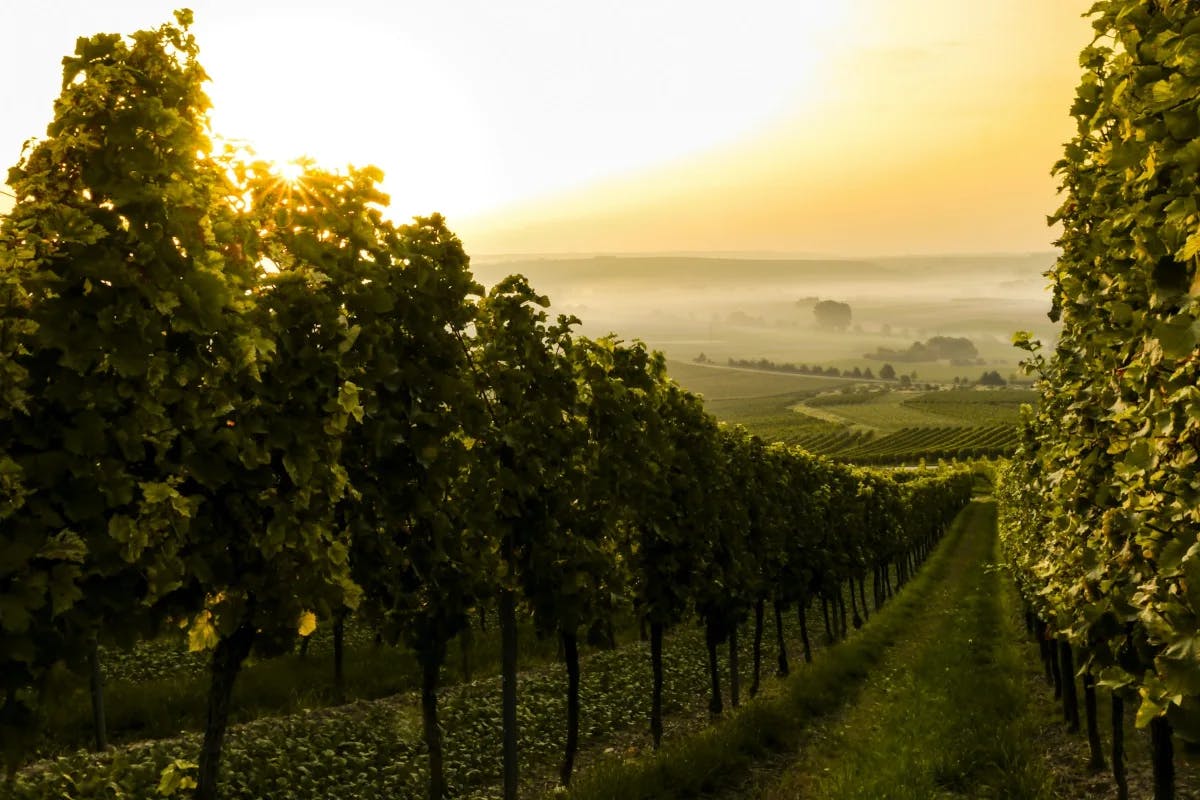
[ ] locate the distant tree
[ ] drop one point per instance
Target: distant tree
(955, 348)
(702, 359)
(833, 372)
(856, 373)
(832, 314)
(867, 374)
(992, 378)
(887, 372)
(905, 380)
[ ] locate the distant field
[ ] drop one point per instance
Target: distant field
(908, 445)
(752, 308)
(888, 412)
(725, 383)
(761, 308)
(977, 408)
(885, 412)
(884, 426)
(761, 401)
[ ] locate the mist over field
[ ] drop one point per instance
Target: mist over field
(753, 308)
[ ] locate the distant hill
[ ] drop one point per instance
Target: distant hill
(685, 272)
(1017, 264)
(698, 272)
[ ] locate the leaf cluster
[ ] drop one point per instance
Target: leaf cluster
(1099, 514)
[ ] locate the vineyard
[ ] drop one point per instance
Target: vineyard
(880, 427)
(909, 445)
(1099, 506)
(292, 506)
(240, 408)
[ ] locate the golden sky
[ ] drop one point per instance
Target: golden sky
(855, 127)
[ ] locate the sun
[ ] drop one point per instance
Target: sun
(290, 172)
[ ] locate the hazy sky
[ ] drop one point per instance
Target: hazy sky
(850, 127)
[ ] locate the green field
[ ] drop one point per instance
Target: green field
(909, 445)
(885, 412)
(873, 424)
(726, 383)
(890, 411)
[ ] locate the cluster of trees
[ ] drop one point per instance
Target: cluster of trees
(1101, 504)
(248, 405)
(832, 314)
(991, 378)
(794, 369)
(955, 349)
(887, 372)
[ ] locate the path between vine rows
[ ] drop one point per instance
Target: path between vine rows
(944, 713)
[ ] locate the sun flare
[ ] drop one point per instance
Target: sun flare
(291, 172)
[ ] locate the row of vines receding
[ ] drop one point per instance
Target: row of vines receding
(1100, 510)
(249, 405)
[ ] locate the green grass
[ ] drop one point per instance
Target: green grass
(721, 757)
(946, 716)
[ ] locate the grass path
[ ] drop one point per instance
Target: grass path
(762, 737)
(944, 713)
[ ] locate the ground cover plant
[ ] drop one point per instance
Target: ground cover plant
(377, 746)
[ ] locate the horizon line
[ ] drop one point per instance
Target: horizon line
(747, 255)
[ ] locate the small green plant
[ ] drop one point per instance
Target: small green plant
(177, 778)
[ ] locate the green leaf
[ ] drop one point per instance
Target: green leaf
(175, 777)
(1190, 249)
(1176, 336)
(64, 589)
(155, 492)
(1138, 455)
(65, 545)
(202, 634)
(1147, 711)
(307, 623)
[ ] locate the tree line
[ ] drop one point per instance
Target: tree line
(249, 405)
(1100, 513)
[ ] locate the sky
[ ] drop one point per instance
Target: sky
(855, 127)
